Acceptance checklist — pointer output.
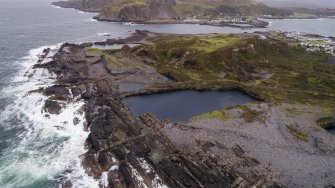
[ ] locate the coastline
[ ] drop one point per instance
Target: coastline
(105, 166)
(260, 24)
(131, 150)
(123, 145)
(255, 23)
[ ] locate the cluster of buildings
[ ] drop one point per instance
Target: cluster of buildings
(229, 19)
(313, 42)
(219, 20)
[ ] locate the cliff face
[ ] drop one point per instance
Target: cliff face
(144, 10)
(130, 12)
(162, 9)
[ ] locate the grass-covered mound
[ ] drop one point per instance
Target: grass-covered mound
(188, 8)
(139, 10)
(277, 70)
(143, 10)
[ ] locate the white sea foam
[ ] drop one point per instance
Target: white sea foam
(56, 6)
(131, 24)
(104, 179)
(48, 145)
(104, 34)
(93, 20)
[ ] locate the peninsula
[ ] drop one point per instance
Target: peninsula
(279, 140)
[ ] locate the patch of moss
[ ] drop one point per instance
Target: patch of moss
(112, 60)
(326, 122)
(295, 111)
(213, 43)
(302, 15)
(303, 136)
(94, 50)
(249, 114)
(219, 114)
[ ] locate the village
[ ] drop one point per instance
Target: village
(312, 42)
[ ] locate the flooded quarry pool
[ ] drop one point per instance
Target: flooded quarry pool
(130, 86)
(182, 105)
(331, 130)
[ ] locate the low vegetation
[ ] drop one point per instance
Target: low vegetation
(248, 114)
(326, 122)
(274, 69)
(303, 136)
(112, 61)
(219, 114)
(278, 71)
(140, 10)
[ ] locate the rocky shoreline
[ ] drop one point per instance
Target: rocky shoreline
(231, 147)
(133, 151)
(255, 23)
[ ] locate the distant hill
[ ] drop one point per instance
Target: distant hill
(310, 4)
(144, 10)
(85, 5)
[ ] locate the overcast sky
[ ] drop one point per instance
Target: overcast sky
(302, 3)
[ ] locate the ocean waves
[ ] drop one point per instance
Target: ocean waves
(41, 149)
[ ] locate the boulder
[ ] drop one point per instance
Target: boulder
(190, 63)
(326, 122)
(52, 107)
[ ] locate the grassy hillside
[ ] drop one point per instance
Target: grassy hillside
(277, 70)
(226, 7)
(142, 10)
(139, 10)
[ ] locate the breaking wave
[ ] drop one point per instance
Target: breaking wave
(42, 150)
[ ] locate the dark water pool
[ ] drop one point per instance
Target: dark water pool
(331, 130)
(182, 105)
(130, 86)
